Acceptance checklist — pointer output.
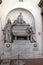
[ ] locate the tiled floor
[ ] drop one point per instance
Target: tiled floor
(27, 62)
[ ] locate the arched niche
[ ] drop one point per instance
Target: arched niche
(27, 16)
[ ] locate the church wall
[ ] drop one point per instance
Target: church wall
(32, 6)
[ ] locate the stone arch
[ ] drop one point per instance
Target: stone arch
(27, 15)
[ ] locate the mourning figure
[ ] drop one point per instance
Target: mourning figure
(31, 34)
(10, 30)
(29, 31)
(7, 31)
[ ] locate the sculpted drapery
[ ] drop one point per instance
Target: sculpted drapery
(9, 27)
(7, 31)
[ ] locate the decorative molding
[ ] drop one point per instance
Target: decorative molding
(7, 45)
(35, 45)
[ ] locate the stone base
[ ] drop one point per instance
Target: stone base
(23, 48)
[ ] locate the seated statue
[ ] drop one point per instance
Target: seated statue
(20, 19)
(7, 31)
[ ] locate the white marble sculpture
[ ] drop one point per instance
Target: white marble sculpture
(7, 31)
(10, 31)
